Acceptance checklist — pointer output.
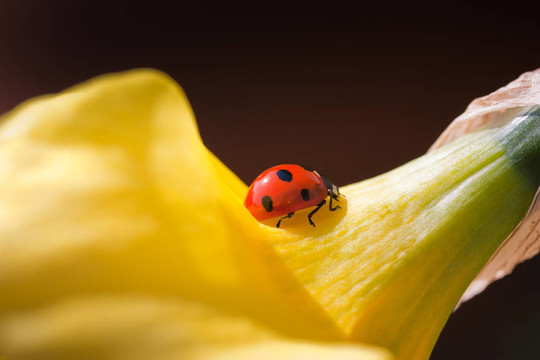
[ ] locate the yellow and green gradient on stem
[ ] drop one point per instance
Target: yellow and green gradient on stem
(123, 237)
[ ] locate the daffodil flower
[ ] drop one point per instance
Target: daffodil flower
(123, 237)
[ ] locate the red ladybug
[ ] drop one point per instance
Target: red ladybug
(284, 189)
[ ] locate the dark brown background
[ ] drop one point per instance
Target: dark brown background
(353, 92)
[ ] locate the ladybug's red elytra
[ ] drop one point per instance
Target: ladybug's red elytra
(284, 189)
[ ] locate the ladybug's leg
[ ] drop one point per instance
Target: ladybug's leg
(330, 205)
(314, 211)
(285, 217)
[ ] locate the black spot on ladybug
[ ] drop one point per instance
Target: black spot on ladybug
(305, 194)
(284, 175)
(267, 203)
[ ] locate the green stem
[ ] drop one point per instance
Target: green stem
(521, 140)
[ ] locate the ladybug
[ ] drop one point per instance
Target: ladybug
(284, 189)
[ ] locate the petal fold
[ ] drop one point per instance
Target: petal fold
(155, 328)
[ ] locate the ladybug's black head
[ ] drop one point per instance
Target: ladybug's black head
(333, 190)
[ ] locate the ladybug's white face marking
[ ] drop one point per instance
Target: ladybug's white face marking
(334, 190)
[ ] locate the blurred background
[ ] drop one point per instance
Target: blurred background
(352, 92)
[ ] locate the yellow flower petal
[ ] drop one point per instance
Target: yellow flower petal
(96, 172)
